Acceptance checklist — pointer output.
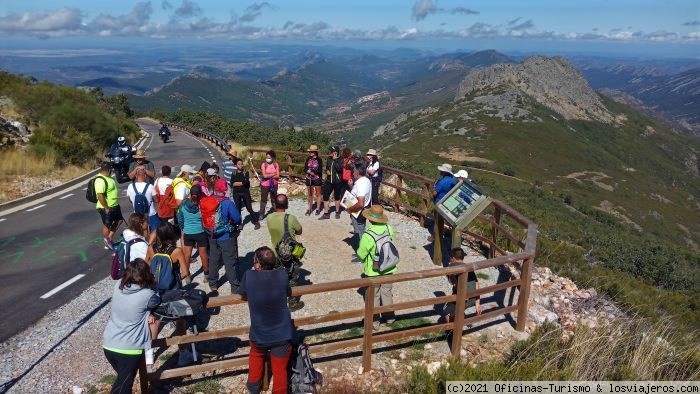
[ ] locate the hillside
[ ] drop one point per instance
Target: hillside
(617, 188)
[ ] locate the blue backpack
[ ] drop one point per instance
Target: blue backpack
(141, 204)
(122, 256)
(162, 269)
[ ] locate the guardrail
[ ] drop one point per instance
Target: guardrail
(510, 238)
(205, 135)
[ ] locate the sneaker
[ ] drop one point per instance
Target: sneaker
(257, 226)
(108, 243)
(149, 356)
(296, 306)
(318, 212)
(356, 260)
(325, 216)
(213, 293)
(337, 215)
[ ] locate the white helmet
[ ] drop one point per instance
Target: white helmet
(121, 140)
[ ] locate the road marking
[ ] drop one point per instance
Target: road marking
(3, 219)
(35, 208)
(63, 286)
(66, 196)
(85, 188)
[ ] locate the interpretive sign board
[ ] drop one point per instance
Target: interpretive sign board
(462, 204)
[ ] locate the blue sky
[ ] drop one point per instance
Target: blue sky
(661, 23)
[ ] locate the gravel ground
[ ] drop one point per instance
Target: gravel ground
(63, 349)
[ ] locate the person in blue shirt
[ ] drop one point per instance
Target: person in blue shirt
(223, 250)
(446, 182)
(266, 290)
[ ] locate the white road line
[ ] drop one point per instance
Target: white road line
(3, 219)
(85, 188)
(35, 208)
(63, 286)
(66, 196)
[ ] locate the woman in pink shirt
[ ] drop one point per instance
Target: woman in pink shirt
(270, 174)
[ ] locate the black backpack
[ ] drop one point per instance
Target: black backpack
(288, 248)
(90, 194)
(181, 303)
(304, 377)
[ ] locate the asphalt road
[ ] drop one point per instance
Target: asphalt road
(52, 251)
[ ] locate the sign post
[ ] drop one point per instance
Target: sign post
(458, 207)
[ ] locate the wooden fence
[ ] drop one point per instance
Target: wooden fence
(509, 237)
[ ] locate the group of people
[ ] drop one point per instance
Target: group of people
(174, 224)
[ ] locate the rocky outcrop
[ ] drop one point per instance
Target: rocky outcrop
(551, 81)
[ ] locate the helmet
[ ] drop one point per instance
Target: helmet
(121, 140)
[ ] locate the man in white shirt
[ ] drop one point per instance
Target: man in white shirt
(141, 186)
(159, 187)
(362, 190)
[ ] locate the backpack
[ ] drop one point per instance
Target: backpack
(166, 202)
(162, 269)
(182, 303)
(209, 207)
(313, 165)
(90, 194)
(288, 248)
(386, 255)
(141, 204)
(122, 256)
(304, 377)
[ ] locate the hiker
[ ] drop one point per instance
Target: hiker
(270, 174)
(159, 187)
(108, 204)
(181, 183)
(313, 168)
(127, 333)
(240, 194)
(229, 165)
(442, 186)
(374, 173)
(348, 165)
(223, 248)
(457, 258)
(275, 225)
(266, 289)
(140, 194)
(189, 218)
(137, 229)
(212, 176)
(367, 252)
(462, 175)
(141, 162)
(362, 190)
(334, 183)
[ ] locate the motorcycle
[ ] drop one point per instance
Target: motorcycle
(120, 158)
(164, 134)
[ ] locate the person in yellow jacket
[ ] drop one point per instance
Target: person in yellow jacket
(366, 252)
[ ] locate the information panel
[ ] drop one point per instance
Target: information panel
(462, 204)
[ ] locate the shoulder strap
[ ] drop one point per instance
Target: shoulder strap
(128, 248)
(286, 225)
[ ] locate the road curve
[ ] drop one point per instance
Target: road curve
(53, 250)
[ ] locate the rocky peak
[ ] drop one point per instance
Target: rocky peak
(551, 81)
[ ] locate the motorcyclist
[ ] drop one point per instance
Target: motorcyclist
(123, 147)
(164, 130)
(120, 154)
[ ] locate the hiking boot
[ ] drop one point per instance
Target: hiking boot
(295, 306)
(337, 215)
(325, 216)
(256, 226)
(318, 212)
(213, 293)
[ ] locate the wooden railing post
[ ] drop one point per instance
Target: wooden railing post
(524, 296)
(143, 374)
(398, 197)
(369, 319)
(494, 230)
(427, 196)
(460, 304)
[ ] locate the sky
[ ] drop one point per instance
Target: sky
(665, 26)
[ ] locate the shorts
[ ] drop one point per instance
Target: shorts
(315, 182)
(153, 222)
(111, 220)
(200, 239)
(336, 188)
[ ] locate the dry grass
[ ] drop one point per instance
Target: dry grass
(22, 162)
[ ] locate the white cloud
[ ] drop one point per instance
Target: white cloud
(187, 9)
(422, 8)
(54, 22)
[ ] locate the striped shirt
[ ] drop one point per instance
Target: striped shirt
(229, 168)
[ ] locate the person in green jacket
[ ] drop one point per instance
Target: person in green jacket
(366, 251)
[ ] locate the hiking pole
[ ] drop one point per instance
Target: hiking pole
(250, 160)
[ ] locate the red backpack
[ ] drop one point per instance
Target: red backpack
(166, 202)
(208, 206)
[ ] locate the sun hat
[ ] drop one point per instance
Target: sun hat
(462, 174)
(372, 152)
(211, 172)
(313, 148)
(140, 154)
(445, 168)
(232, 152)
(187, 168)
(220, 186)
(375, 214)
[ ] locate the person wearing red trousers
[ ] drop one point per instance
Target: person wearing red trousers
(266, 290)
